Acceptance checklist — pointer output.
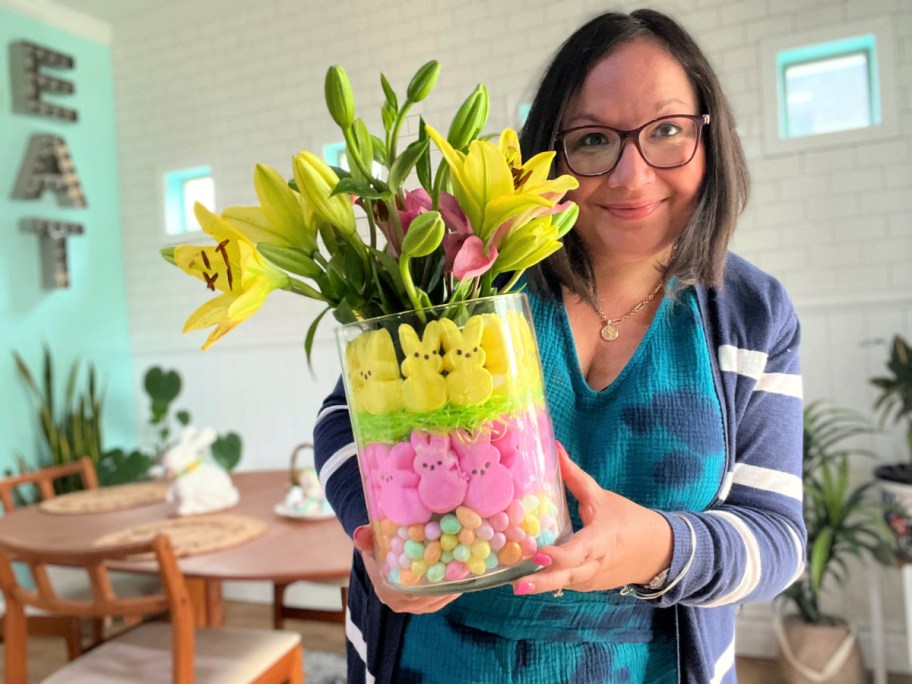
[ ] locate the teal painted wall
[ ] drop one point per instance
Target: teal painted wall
(88, 320)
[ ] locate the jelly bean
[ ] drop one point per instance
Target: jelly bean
(485, 531)
(456, 571)
(402, 532)
(432, 530)
(396, 544)
(476, 566)
(450, 524)
(530, 502)
(446, 556)
(529, 545)
(491, 561)
(499, 521)
(466, 536)
(405, 561)
(448, 542)
(480, 549)
(408, 578)
(510, 553)
(392, 559)
(414, 549)
(419, 567)
(516, 512)
(416, 532)
(547, 521)
(462, 553)
(531, 525)
(435, 572)
(468, 517)
(546, 538)
(394, 576)
(498, 541)
(388, 527)
(514, 533)
(432, 553)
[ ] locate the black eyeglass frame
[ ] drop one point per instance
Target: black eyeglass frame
(700, 120)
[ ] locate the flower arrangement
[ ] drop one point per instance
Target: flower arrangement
(443, 380)
(470, 230)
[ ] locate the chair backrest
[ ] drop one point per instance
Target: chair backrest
(44, 480)
(104, 601)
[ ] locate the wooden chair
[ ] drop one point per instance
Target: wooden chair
(153, 651)
(67, 627)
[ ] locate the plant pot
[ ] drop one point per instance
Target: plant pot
(895, 483)
(825, 653)
(455, 444)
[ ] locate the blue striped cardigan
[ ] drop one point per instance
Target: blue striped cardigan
(747, 546)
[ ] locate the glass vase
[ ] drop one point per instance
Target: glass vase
(455, 443)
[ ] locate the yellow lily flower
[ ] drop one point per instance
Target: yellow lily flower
(316, 181)
(494, 188)
(233, 267)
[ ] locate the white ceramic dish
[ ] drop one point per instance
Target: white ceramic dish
(288, 512)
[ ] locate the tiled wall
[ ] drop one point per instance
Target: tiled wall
(232, 83)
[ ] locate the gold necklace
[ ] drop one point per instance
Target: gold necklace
(609, 331)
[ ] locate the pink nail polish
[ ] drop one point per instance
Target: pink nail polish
(542, 559)
(523, 588)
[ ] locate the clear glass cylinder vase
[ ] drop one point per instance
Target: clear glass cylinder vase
(455, 443)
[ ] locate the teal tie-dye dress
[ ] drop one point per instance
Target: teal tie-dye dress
(655, 436)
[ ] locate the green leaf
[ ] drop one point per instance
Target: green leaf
(311, 334)
(226, 450)
(353, 187)
(404, 163)
(183, 417)
(162, 386)
(389, 93)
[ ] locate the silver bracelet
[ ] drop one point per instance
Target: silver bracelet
(658, 580)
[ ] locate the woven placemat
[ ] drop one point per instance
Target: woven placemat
(193, 535)
(106, 499)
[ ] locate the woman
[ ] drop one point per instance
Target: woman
(672, 376)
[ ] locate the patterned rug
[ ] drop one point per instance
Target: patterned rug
(321, 667)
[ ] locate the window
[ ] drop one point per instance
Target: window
(824, 88)
(183, 189)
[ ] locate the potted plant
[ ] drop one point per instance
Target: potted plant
(843, 521)
(895, 479)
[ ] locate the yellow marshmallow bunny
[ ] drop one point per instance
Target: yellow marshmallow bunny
(424, 388)
(468, 383)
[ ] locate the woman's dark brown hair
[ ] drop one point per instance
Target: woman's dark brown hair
(703, 244)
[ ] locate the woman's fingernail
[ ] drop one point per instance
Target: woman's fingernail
(523, 588)
(542, 559)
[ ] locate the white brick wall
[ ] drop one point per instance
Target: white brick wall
(231, 83)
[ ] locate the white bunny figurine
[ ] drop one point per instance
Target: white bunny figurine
(198, 485)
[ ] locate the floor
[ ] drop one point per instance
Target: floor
(46, 655)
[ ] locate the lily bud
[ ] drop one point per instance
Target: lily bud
(423, 81)
(469, 120)
(315, 183)
(339, 98)
(424, 235)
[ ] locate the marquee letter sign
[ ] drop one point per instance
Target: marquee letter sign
(26, 60)
(47, 164)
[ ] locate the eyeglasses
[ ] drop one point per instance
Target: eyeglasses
(664, 143)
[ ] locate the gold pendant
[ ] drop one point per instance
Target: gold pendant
(609, 333)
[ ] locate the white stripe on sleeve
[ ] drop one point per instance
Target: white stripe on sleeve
(724, 664)
(780, 383)
(751, 577)
(742, 361)
(329, 409)
(334, 462)
(799, 554)
(356, 639)
(768, 480)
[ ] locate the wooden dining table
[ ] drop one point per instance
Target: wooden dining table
(289, 550)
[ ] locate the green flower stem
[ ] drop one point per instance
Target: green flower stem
(369, 210)
(410, 287)
(356, 158)
(396, 233)
(297, 287)
(517, 274)
(394, 133)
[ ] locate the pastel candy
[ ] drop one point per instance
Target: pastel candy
(499, 521)
(476, 566)
(529, 545)
(455, 570)
(432, 530)
(432, 553)
(468, 518)
(462, 553)
(510, 553)
(450, 524)
(436, 572)
(485, 531)
(498, 541)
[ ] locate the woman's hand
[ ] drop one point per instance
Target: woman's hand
(397, 601)
(621, 542)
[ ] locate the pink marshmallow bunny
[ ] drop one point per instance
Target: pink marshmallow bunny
(515, 439)
(374, 454)
(398, 484)
(490, 483)
(443, 485)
